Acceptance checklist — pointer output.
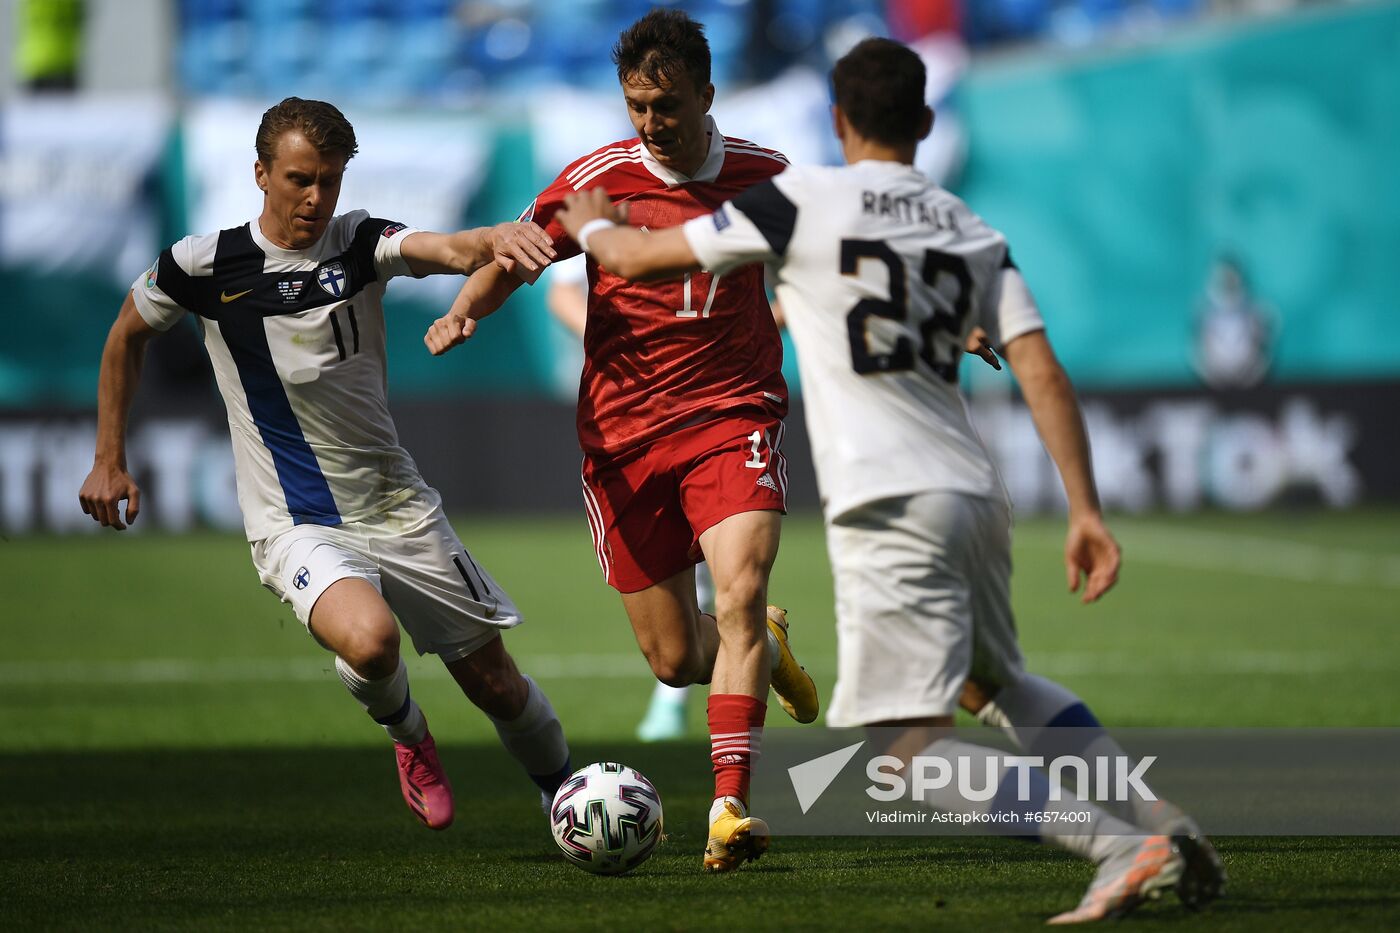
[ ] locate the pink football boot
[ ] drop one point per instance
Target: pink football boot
(424, 783)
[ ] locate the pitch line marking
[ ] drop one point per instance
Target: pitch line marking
(145, 671)
(1228, 552)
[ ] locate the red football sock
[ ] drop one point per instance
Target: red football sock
(736, 726)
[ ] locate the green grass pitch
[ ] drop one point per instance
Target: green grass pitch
(175, 753)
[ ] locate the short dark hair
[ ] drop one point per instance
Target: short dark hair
(662, 45)
(323, 125)
(879, 86)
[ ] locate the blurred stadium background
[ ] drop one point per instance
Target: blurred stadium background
(1202, 194)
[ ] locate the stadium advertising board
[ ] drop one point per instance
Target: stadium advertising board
(79, 219)
(75, 184)
(1239, 451)
(1329, 446)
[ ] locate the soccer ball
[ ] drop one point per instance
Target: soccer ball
(606, 818)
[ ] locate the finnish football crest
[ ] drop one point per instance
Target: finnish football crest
(301, 578)
(332, 279)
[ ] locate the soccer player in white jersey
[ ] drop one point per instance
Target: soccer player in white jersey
(882, 276)
(340, 522)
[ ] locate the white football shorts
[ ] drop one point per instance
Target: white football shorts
(923, 600)
(445, 601)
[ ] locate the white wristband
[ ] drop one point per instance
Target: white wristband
(590, 228)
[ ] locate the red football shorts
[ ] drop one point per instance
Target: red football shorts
(648, 507)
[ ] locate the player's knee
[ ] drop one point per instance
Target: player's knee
(675, 676)
(673, 668)
(371, 647)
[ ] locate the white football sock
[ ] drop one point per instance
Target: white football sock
(665, 693)
(717, 807)
(388, 702)
(1030, 703)
(704, 588)
(1045, 718)
(536, 740)
(1083, 829)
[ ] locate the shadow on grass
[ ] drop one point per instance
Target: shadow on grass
(94, 803)
(312, 838)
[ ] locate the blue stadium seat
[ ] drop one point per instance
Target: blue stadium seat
(1102, 13)
(282, 52)
(198, 12)
(992, 21)
(1179, 9)
(422, 56)
(269, 14)
(418, 11)
(214, 58)
(811, 11)
(359, 50)
(345, 12)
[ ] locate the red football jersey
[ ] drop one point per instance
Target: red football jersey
(659, 355)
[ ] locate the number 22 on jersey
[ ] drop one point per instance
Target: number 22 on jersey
(936, 265)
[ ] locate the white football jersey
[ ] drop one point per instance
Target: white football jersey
(881, 274)
(296, 338)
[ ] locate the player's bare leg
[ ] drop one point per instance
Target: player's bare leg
(745, 546)
(665, 716)
(352, 620)
(679, 642)
(489, 678)
(682, 647)
(685, 646)
(524, 719)
(740, 551)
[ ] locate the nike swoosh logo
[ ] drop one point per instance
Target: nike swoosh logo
(225, 297)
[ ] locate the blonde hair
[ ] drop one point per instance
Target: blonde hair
(323, 125)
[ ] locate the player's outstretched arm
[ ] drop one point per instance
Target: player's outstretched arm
(596, 224)
(486, 290)
(462, 253)
(109, 482)
(1090, 550)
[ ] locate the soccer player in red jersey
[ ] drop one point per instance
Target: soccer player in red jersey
(680, 415)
